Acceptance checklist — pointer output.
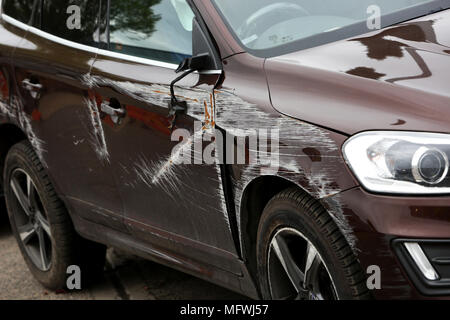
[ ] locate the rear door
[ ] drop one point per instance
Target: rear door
(52, 64)
(20, 13)
(176, 207)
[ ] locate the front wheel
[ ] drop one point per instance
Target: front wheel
(302, 255)
(41, 224)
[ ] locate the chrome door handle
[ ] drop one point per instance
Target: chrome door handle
(115, 113)
(28, 85)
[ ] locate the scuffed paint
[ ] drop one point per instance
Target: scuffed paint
(6, 111)
(97, 134)
(163, 174)
(240, 118)
(235, 115)
(14, 110)
(78, 142)
(333, 205)
(167, 172)
(221, 196)
(36, 142)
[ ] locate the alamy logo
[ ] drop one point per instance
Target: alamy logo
(374, 19)
(74, 20)
(258, 148)
(374, 279)
(74, 279)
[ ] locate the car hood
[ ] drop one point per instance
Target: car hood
(396, 78)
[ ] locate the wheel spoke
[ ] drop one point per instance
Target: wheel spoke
(44, 223)
(29, 186)
(42, 249)
(26, 232)
(281, 250)
(312, 263)
(32, 194)
(21, 197)
(301, 262)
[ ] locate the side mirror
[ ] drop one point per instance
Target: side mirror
(195, 63)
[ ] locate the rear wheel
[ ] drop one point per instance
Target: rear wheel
(41, 224)
(302, 255)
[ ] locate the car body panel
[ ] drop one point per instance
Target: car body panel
(392, 79)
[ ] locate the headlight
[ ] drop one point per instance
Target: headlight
(400, 162)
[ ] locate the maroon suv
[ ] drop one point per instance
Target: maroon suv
(289, 149)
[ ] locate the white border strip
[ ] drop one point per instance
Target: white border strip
(93, 50)
(421, 260)
(86, 48)
(15, 22)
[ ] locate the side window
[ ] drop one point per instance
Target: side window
(19, 9)
(153, 29)
(74, 20)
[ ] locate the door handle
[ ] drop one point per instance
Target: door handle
(34, 88)
(28, 85)
(116, 114)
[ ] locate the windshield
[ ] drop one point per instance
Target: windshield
(269, 27)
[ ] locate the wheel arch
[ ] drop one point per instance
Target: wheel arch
(254, 199)
(10, 135)
(255, 196)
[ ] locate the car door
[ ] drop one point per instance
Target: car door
(60, 120)
(175, 207)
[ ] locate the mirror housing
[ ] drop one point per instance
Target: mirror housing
(194, 63)
(204, 57)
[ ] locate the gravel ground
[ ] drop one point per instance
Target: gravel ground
(129, 278)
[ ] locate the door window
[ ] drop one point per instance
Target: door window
(19, 9)
(74, 20)
(153, 29)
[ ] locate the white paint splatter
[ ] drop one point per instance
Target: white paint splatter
(97, 135)
(16, 114)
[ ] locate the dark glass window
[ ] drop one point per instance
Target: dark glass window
(19, 9)
(153, 29)
(74, 20)
(103, 38)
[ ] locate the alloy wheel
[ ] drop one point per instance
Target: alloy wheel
(296, 271)
(31, 220)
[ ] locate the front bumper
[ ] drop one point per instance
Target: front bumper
(383, 224)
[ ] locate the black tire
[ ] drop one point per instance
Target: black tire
(64, 244)
(297, 213)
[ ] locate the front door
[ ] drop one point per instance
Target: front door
(173, 206)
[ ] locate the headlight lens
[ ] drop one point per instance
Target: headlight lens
(400, 162)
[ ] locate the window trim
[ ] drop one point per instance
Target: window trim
(95, 51)
(82, 47)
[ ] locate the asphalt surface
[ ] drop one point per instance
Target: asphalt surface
(126, 277)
